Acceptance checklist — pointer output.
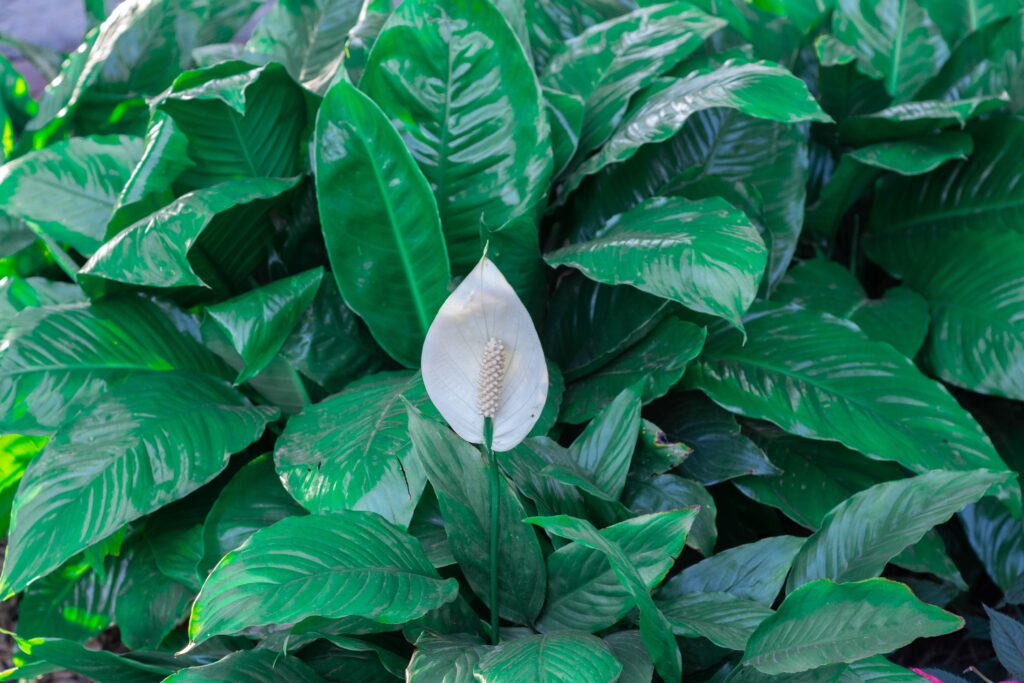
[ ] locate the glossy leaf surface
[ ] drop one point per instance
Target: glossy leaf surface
(563, 656)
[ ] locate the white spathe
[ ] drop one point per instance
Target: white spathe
(482, 308)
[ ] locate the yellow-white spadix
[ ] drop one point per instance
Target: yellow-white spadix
(482, 358)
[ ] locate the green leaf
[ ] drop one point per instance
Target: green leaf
(249, 666)
(16, 452)
(723, 618)
(530, 466)
(957, 249)
(240, 126)
(605, 448)
(720, 451)
(252, 500)
(330, 344)
(672, 492)
(354, 564)
(259, 321)
(589, 324)
(583, 592)
(339, 658)
(353, 451)
(565, 119)
(98, 665)
(164, 157)
(858, 169)
(628, 648)
(913, 119)
(209, 239)
(984, 63)
(824, 623)
(459, 477)
(759, 89)
(117, 461)
(889, 410)
(711, 257)
(445, 659)
(754, 571)
(68, 190)
(656, 453)
(308, 37)
(434, 67)
(149, 604)
(758, 165)
(74, 603)
(863, 533)
(957, 20)
(900, 317)
(998, 539)
(895, 40)
(563, 656)
(1008, 641)
(56, 358)
(611, 61)
(553, 22)
(17, 294)
(654, 628)
(394, 272)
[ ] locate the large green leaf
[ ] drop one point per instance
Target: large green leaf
(529, 465)
(628, 648)
(75, 602)
(672, 492)
(557, 657)
(583, 592)
(353, 450)
(654, 628)
(858, 169)
(588, 324)
(604, 450)
(348, 564)
(985, 63)
(434, 68)
(957, 20)
(149, 604)
(447, 659)
(725, 619)
(824, 623)
(758, 89)
(913, 119)
(829, 381)
(460, 480)
(143, 444)
(609, 62)
(952, 236)
(55, 358)
(366, 177)
(68, 191)
(211, 238)
(101, 666)
(900, 317)
(755, 571)
(710, 257)
(252, 500)
(998, 539)
(758, 165)
(308, 37)
(259, 322)
(242, 125)
(720, 451)
(249, 666)
(340, 658)
(863, 533)
(895, 40)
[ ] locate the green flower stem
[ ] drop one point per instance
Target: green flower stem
(495, 524)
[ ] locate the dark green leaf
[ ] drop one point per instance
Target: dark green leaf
(258, 322)
(563, 656)
(98, 665)
(69, 190)
(530, 465)
(755, 571)
(74, 603)
(720, 452)
(119, 460)
(447, 659)
(900, 317)
(149, 604)
(628, 648)
(998, 539)
(889, 410)
(212, 238)
(654, 628)
(672, 492)
(605, 448)
(251, 666)
(916, 118)
(1008, 641)
(434, 67)
(343, 659)
(656, 453)
(460, 479)
(863, 533)
(398, 276)
(583, 592)
(352, 564)
(957, 20)
(565, 119)
(725, 619)
(353, 451)
(825, 623)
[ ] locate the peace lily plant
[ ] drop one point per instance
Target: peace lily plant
(484, 369)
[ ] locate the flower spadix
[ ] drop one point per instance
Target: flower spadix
(482, 358)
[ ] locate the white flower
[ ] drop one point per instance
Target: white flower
(482, 357)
